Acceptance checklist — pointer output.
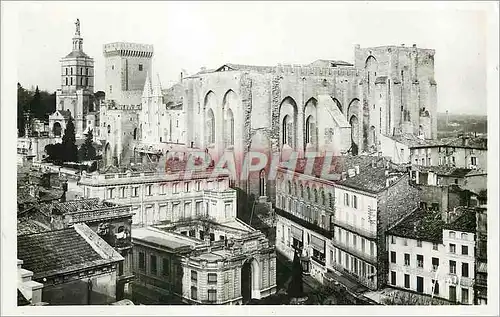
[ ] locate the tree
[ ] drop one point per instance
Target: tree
(296, 287)
(70, 150)
(23, 107)
(36, 105)
(55, 153)
(87, 151)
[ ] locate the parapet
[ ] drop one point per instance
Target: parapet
(128, 49)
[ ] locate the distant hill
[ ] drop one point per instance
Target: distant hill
(461, 123)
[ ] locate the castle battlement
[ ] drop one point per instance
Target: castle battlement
(316, 71)
(128, 49)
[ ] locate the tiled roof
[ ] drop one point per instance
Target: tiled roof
(458, 142)
(50, 194)
(76, 54)
(73, 205)
(408, 139)
(28, 226)
(60, 251)
(371, 179)
(450, 171)
(21, 300)
(420, 225)
(466, 222)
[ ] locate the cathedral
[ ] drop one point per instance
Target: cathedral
(75, 98)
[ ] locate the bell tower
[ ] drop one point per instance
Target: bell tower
(77, 83)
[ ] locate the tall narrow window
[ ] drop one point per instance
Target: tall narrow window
(153, 265)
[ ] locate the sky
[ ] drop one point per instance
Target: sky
(190, 35)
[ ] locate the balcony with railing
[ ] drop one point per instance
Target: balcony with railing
(304, 223)
(354, 251)
(354, 229)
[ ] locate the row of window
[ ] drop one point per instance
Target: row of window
(70, 82)
(352, 264)
(303, 211)
(81, 71)
(435, 263)
(351, 240)
(153, 264)
(351, 201)
(404, 241)
(298, 191)
(453, 235)
(134, 190)
(435, 287)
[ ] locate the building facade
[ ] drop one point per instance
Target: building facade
(461, 152)
(203, 262)
(240, 108)
(157, 196)
(341, 223)
(481, 272)
(432, 257)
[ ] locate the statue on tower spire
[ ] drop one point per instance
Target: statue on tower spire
(77, 23)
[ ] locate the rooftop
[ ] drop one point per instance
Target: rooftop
(479, 143)
(420, 225)
(371, 178)
(163, 238)
(77, 54)
(466, 222)
(53, 252)
(449, 171)
(408, 139)
(28, 226)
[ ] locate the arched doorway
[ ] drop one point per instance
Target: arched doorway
(250, 280)
(56, 129)
(135, 134)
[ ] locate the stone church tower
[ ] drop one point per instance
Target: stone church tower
(77, 84)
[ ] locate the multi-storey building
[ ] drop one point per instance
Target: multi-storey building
(340, 222)
(199, 261)
(463, 152)
(167, 194)
(434, 257)
(75, 97)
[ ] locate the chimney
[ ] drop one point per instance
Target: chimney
(387, 183)
(402, 45)
(356, 169)
(386, 173)
(344, 176)
(203, 69)
(414, 45)
(373, 164)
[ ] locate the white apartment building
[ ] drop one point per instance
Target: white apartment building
(431, 257)
(334, 222)
(158, 196)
